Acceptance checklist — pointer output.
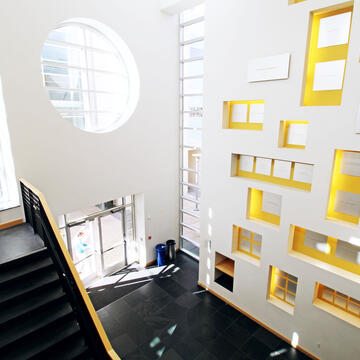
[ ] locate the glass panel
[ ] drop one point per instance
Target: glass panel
(191, 206)
(114, 257)
(192, 121)
(64, 237)
(290, 298)
(340, 301)
(191, 159)
(279, 293)
(193, 13)
(257, 237)
(280, 281)
(112, 230)
(256, 249)
(193, 104)
(191, 234)
(348, 252)
(354, 308)
(81, 241)
(86, 267)
(193, 31)
(109, 82)
(292, 277)
(97, 41)
(193, 86)
(193, 68)
(68, 33)
(316, 241)
(190, 192)
(106, 62)
(193, 50)
(245, 233)
(187, 245)
(245, 245)
(190, 220)
(328, 294)
(292, 287)
(192, 137)
(66, 55)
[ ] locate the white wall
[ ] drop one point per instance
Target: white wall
(75, 169)
(237, 31)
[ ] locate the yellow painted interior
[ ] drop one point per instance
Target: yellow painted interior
(273, 285)
(291, 2)
(255, 210)
(316, 55)
(248, 125)
(346, 298)
(286, 125)
(341, 182)
(329, 258)
(239, 238)
(270, 178)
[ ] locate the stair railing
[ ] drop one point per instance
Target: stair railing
(39, 216)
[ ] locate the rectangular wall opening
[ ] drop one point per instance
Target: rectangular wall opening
(244, 115)
(328, 42)
(264, 207)
(293, 134)
(224, 271)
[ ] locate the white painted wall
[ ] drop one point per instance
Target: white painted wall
(75, 169)
(237, 31)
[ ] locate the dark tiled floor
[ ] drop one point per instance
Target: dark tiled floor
(17, 241)
(172, 318)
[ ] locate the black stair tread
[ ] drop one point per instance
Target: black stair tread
(27, 285)
(29, 304)
(35, 321)
(68, 349)
(24, 259)
(86, 355)
(24, 270)
(33, 345)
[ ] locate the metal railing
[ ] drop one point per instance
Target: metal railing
(38, 215)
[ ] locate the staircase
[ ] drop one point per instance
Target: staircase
(37, 320)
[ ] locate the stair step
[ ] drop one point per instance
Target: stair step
(86, 355)
(24, 271)
(24, 259)
(28, 286)
(32, 346)
(52, 314)
(13, 311)
(70, 348)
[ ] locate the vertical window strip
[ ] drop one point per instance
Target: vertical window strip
(190, 155)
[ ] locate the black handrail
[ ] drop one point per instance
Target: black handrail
(36, 216)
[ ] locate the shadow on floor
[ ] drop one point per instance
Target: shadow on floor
(171, 317)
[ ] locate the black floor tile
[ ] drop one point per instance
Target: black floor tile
(173, 288)
(255, 349)
(171, 317)
(247, 323)
(230, 312)
(221, 348)
(267, 338)
(188, 347)
(237, 335)
(123, 345)
(187, 300)
(206, 355)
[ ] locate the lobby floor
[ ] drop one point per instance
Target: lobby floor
(172, 318)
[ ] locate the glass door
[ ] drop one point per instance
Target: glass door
(112, 241)
(81, 242)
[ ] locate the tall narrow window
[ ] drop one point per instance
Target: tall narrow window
(191, 104)
(9, 196)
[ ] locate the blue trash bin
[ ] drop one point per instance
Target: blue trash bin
(161, 254)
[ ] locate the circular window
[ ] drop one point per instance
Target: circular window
(90, 75)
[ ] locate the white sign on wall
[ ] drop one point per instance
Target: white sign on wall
(269, 68)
